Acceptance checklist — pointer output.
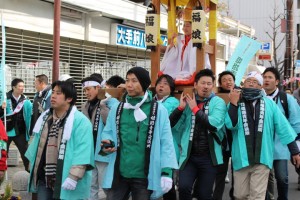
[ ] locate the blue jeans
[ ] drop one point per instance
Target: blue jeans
(282, 178)
(44, 193)
(280, 168)
(200, 168)
(136, 186)
(220, 178)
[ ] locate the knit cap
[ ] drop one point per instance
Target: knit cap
(142, 75)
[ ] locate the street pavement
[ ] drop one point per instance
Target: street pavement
(294, 193)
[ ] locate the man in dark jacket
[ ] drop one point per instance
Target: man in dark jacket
(41, 101)
(18, 111)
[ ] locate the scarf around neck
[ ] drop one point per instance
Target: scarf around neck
(273, 94)
(139, 115)
(251, 94)
(204, 100)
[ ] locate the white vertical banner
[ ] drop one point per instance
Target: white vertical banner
(2, 67)
(2, 75)
(198, 26)
(151, 29)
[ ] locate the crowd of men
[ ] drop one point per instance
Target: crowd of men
(150, 144)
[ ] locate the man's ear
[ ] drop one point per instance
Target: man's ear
(69, 100)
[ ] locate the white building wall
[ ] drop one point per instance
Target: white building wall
(100, 30)
(34, 15)
(256, 13)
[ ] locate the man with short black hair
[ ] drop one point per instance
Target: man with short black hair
(286, 103)
(226, 81)
(164, 91)
(114, 81)
(18, 112)
(226, 84)
(138, 134)
(62, 152)
(198, 122)
(41, 101)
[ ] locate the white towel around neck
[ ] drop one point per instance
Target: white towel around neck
(68, 125)
(274, 94)
(139, 115)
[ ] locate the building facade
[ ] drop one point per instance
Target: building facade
(257, 13)
(101, 36)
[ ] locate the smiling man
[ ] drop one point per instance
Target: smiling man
(138, 136)
(197, 123)
(253, 120)
(61, 153)
(286, 103)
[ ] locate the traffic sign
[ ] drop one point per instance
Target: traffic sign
(298, 63)
(266, 46)
(265, 52)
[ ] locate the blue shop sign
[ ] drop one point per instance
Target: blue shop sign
(131, 37)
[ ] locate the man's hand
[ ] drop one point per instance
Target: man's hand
(234, 96)
(69, 184)
(296, 160)
(104, 143)
(182, 103)
(3, 105)
(166, 184)
(191, 101)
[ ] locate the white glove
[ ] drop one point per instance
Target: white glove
(69, 184)
(166, 184)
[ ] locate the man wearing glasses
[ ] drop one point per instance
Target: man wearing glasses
(254, 119)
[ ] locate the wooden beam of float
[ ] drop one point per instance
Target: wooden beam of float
(155, 53)
(212, 25)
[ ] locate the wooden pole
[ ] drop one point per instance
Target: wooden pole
(155, 54)
(213, 35)
(288, 59)
(56, 40)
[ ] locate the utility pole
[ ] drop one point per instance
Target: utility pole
(56, 40)
(288, 58)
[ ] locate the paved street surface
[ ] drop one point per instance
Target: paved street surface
(294, 194)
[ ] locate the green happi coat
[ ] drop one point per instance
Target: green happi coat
(181, 131)
(274, 121)
(79, 151)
